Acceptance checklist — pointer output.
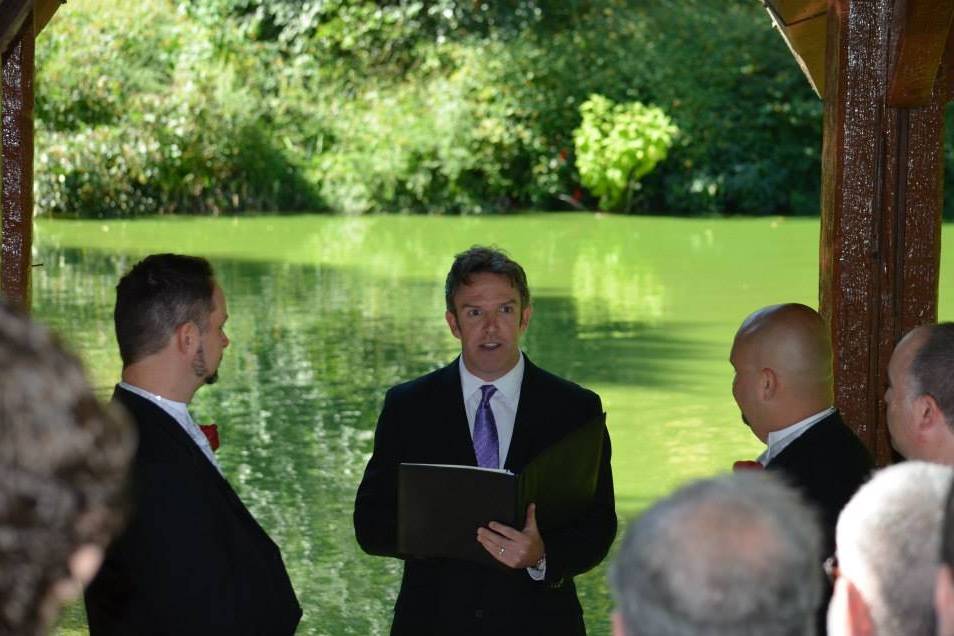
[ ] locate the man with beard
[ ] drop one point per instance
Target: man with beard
(782, 358)
(193, 559)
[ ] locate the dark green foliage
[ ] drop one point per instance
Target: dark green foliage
(136, 115)
(431, 106)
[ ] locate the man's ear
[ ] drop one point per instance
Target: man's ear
(768, 383)
(525, 317)
(944, 601)
(618, 629)
(187, 338)
(85, 562)
(859, 616)
(452, 323)
(927, 414)
(83, 565)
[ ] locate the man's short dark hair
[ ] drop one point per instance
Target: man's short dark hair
(479, 259)
(63, 466)
(160, 293)
(932, 368)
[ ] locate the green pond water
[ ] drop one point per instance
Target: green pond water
(327, 312)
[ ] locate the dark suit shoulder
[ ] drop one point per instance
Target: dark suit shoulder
(161, 438)
(435, 380)
(554, 393)
(562, 386)
(827, 463)
(828, 446)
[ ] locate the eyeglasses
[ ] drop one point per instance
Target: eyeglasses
(831, 568)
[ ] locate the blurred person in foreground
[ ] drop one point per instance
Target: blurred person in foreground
(944, 587)
(782, 358)
(63, 473)
(888, 542)
(920, 396)
(193, 561)
(736, 555)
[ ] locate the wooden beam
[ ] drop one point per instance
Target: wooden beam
(920, 33)
(12, 15)
(16, 235)
(803, 24)
(791, 12)
(882, 185)
(43, 11)
(947, 66)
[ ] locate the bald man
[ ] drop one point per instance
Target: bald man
(783, 385)
(920, 394)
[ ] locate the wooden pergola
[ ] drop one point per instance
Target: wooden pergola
(885, 69)
(20, 22)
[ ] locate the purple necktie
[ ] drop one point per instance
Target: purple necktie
(485, 431)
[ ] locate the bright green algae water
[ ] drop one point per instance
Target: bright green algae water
(327, 312)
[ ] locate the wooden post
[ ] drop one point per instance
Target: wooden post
(882, 186)
(17, 132)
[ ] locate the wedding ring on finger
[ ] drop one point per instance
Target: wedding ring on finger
(501, 550)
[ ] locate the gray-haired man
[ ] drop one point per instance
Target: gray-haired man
(888, 543)
(735, 555)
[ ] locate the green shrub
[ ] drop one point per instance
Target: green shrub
(137, 115)
(618, 144)
(447, 106)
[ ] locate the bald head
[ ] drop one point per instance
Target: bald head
(783, 362)
(793, 340)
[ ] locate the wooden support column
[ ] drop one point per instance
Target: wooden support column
(882, 185)
(16, 235)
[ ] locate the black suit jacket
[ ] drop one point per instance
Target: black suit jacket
(827, 463)
(424, 421)
(193, 560)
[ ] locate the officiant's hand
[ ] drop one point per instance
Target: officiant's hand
(518, 549)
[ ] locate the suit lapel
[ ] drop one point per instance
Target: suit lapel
(524, 422)
(449, 403)
(150, 414)
(807, 441)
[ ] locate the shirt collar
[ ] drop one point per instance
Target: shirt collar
(780, 439)
(508, 385)
(179, 407)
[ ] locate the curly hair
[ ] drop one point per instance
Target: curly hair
(64, 462)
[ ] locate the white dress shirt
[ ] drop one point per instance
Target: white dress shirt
(504, 404)
(780, 439)
(179, 411)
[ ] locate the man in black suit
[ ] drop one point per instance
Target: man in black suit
(490, 407)
(193, 560)
(782, 358)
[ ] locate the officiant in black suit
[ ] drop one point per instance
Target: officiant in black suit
(782, 358)
(490, 407)
(193, 560)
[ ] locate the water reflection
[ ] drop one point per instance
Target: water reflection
(325, 314)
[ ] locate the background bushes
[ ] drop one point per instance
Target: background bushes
(446, 106)
(137, 114)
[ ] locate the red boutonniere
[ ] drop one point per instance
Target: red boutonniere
(211, 432)
(745, 464)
